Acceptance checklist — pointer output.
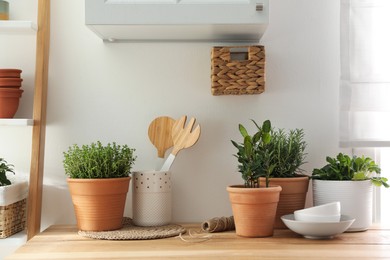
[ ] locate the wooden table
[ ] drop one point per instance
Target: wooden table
(63, 242)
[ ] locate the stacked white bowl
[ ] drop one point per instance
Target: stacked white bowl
(329, 212)
(319, 222)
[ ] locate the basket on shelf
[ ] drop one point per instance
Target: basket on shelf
(237, 70)
(13, 200)
(12, 218)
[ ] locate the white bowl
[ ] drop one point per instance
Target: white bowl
(299, 216)
(317, 230)
(327, 209)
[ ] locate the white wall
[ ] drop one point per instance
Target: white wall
(111, 92)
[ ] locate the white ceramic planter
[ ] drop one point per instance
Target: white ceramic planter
(355, 199)
(152, 199)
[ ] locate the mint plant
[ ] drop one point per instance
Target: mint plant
(96, 161)
(343, 167)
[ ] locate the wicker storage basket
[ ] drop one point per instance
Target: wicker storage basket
(12, 218)
(230, 76)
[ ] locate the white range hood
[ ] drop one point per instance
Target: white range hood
(221, 21)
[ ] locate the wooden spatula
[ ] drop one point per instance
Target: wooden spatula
(160, 134)
(183, 137)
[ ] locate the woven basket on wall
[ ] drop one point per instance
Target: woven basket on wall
(12, 218)
(230, 76)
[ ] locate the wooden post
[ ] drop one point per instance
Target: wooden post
(39, 115)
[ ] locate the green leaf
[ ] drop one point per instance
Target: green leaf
(266, 126)
(248, 146)
(266, 138)
(256, 137)
(243, 131)
(359, 176)
(235, 144)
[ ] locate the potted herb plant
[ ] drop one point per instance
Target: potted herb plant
(288, 155)
(254, 204)
(98, 179)
(349, 180)
(13, 194)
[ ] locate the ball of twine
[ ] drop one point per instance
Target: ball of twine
(218, 224)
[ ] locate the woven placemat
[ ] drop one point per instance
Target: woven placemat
(131, 232)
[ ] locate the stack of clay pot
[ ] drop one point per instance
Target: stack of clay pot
(10, 92)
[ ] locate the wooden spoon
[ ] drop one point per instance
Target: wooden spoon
(183, 137)
(160, 134)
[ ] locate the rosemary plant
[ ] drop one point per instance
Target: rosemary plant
(288, 152)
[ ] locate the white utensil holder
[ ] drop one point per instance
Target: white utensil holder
(152, 198)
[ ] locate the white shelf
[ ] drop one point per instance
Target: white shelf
(16, 122)
(16, 239)
(10, 244)
(10, 26)
(220, 21)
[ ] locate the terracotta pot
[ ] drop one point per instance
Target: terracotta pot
(9, 101)
(10, 82)
(10, 73)
(99, 204)
(292, 196)
(254, 210)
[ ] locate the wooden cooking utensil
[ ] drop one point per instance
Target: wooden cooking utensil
(183, 138)
(160, 134)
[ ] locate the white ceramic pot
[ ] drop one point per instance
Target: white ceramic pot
(152, 199)
(355, 199)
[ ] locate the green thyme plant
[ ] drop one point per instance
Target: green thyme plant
(254, 154)
(4, 168)
(343, 167)
(96, 161)
(288, 152)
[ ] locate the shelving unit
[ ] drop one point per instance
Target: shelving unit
(16, 122)
(17, 27)
(38, 122)
(22, 27)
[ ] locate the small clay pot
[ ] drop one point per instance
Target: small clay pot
(99, 204)
(254, 209)
(11, 82)
(10, 73)
(9, 101)
(292, 197)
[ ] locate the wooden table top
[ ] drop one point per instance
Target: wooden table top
(63, 242)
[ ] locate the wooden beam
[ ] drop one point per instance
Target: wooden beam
(39, 116)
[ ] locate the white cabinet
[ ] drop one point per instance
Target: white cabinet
(178, 20)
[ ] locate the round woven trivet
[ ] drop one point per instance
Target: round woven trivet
(131, 232)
